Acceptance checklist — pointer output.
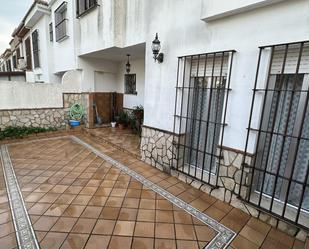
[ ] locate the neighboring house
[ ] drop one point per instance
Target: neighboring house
(227, 107)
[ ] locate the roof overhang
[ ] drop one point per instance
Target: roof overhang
(36, 13)
(118, 54)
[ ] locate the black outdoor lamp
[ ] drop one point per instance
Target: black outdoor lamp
(156, 47)
(128, 65)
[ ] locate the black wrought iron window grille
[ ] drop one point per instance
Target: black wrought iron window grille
(130, 84)
(84, 6)
(202, 91)
(276, 178)
(61, 22)
(51, 32)
(35, 48)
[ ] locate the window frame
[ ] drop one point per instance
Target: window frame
(62, 22)
(35, 48)
(51, 32)
(89, 6)
(126, 88)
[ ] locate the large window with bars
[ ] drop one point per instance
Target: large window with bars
(35, 48)
(61, 22)
(202, 89)
(279, 182)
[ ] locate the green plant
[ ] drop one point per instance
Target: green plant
(123, 118)
(21, 131)
(77, 112)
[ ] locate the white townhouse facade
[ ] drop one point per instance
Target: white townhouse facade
(227, 108)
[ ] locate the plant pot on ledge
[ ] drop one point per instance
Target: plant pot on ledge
(123, 120)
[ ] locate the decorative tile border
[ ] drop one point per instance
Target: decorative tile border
(224, 236)
(221, 241)
(25, 235)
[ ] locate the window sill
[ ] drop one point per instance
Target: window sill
(87, 11)
(134, 94)
(62, 39)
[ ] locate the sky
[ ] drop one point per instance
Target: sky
(11, 14)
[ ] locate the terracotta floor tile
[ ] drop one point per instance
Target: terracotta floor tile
(215, 213)
(164, 205)
(73, 190)
(49, 198)
(65, 199)
(142, 243)
(83, 225)
(34, 197)
(146, 215)
(75, 241)
(64, 224)
(110, 213)
(182, 217)
(200, 204)
(131, 203)
(45, 223)
(6, 229)
(165, 244)
(44, 188)
(97, 242)
(284, 239)
(144, 229)
(91, 212)
(127, 214)
(185, 244)
(82, 199)
(74, 211)
(8, 241)
(104, 227)
(53, 240)
(164, 231)
(98, 201)
(259, 226)
(204, 233)
(242, 243)
(133, 193)
(185, 232)
(114, 202)
(253, 235)
(120, 242)
(118, 192)
(56, 210)
(38, 208)
(147, 204)
(59, 189)
(88, 191)
(124, 228)
(164, 216)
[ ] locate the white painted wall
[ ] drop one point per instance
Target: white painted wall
(106, 82)
(244, 32)
(25, 95)
(115, 23)
(138, 68)
(212, 10)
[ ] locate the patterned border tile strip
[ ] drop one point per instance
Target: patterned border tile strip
(24, 231)
(224, 236)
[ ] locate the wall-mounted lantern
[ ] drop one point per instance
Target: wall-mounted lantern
(128, 65)
(156, 47)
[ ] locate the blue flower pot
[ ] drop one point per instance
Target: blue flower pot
(74, 123)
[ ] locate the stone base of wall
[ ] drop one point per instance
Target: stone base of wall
(44, 117)
(159, 150)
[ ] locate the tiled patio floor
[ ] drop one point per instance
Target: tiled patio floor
(122, 139)
(77, 200)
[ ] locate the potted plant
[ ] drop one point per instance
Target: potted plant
(123, 120)
(138, 111)
(77, 113)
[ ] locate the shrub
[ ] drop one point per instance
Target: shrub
(21, 131)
